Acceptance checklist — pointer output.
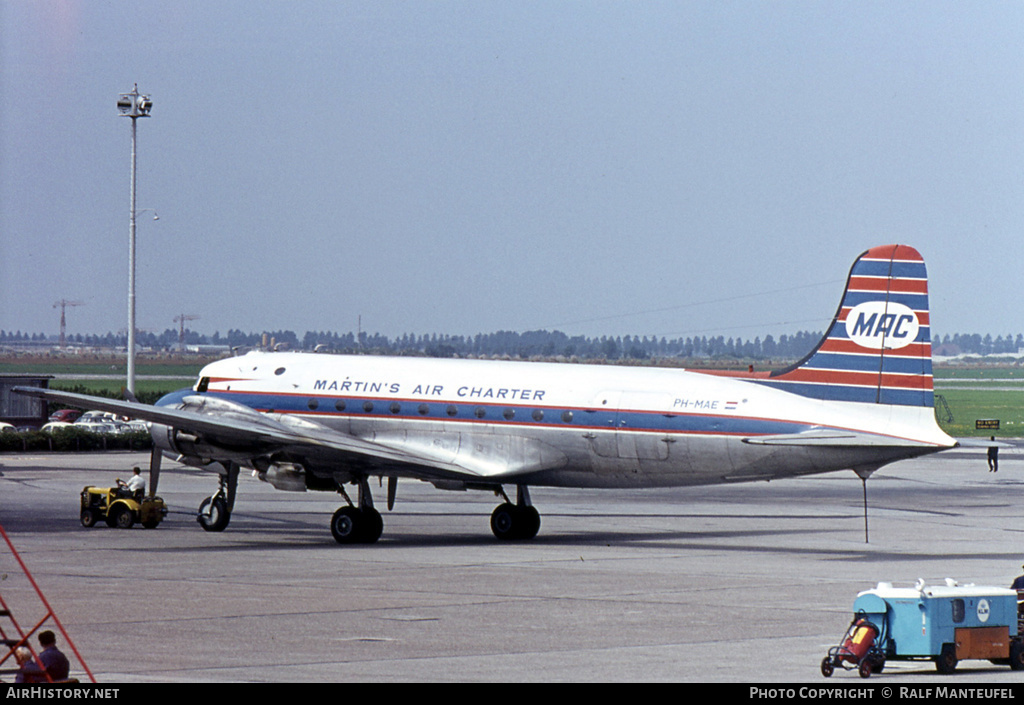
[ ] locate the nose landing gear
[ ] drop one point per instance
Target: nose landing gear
(215, 511)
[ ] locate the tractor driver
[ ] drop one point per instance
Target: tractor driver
(136, 486)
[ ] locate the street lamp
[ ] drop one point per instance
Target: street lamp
(134, 106)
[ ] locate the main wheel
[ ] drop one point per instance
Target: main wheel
(213, 514)
(510, 522)
(372, 525)
(529, 519)
(503, 521)
(345, 525)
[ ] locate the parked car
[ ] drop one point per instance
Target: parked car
(65, 415)
(55, 425)
(97, 427)
(7, 427)
(96, 417)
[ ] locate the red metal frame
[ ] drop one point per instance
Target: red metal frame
(23, 637)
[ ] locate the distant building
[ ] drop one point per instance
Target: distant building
(18, 409)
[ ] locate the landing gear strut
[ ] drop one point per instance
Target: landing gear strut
(215, 511)
(357, 524)
(515, 522)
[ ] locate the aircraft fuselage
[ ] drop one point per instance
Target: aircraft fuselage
(566, 424)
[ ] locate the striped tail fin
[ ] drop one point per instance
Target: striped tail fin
(878, 348)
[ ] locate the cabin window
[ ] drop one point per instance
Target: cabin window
(339, 405)
(567, 416)
(538, 415)
(452, 410)
(368, 406)
(479, 412)
(395, 407)
(279, 371)
(313, 404)
(509, 414)
(423, 409)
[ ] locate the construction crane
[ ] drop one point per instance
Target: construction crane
(181, 332)
(63, 304)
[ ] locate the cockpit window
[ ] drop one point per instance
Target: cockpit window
(204, 384)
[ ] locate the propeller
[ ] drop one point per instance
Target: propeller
(392, 487)
(154, 469)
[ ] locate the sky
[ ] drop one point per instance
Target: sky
(600, 168)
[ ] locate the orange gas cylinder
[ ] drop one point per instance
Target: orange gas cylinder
(859, 641)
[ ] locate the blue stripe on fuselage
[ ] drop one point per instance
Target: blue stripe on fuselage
(495, 415)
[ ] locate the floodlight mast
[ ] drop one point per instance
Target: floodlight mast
(134, 106)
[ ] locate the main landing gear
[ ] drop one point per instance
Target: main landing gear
(361, 523)
(357, 524)
(515, 522)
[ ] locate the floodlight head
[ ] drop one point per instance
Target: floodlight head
(134, 105)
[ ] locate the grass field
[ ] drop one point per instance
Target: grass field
(967, 405)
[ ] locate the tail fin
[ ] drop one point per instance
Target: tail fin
(878, 348)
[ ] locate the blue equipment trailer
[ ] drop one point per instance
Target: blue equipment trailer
(943, 623)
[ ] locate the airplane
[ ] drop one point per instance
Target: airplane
(311, 421)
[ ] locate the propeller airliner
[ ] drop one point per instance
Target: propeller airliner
(307, 421)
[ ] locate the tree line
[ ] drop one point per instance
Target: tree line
(529, 344)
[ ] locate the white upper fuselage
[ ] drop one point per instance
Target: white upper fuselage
(573, 424)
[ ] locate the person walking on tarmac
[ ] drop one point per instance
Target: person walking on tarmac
(993, 456)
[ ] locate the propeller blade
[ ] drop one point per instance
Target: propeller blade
(392, 487)
(154, 469)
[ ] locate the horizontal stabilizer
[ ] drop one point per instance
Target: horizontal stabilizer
(820, 438)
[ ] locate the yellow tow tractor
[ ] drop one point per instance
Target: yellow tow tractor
(121, 507)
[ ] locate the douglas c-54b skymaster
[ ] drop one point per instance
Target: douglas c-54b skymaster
(302, 421)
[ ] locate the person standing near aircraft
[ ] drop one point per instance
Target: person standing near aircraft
(993, 456)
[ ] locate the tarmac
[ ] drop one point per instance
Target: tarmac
(744, 583)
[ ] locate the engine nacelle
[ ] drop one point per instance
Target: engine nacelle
(289, 477)
(190, 448)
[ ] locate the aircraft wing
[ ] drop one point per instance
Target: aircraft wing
(241, 429)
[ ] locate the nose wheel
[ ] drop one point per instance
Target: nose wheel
(215, 511)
